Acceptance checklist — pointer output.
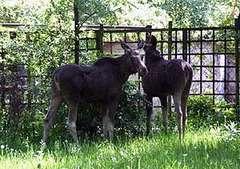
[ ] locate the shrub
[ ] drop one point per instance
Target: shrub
(202, 111)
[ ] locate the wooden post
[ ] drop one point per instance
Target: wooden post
(76, 32)
(99, 39)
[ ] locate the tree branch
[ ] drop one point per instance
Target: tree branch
(85, 20)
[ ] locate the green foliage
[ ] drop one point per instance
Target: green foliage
(195, 13)
(187, 13)
(96, 11)
(203, 111)
(130, 117)
(231, 131)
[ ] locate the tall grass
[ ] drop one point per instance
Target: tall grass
(203, 149)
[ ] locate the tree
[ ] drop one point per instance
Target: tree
(195, 13)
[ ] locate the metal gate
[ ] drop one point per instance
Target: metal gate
(212, 51)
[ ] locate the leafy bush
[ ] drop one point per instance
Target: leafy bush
(202, 111)
(130, 117)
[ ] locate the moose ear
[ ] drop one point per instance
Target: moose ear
(148, 36)
(153, 40)
(140, 44)
(125, 46)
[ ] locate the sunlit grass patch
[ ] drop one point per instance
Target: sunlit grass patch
(206, 148)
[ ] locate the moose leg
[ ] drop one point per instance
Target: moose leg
(163, 100)
(72, 118)
(184, 111)
(178, 110)
(108, 117)
(149, 108)
(50, 116)
(107, 126)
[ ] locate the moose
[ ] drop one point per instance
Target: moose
(164, 78)
(99, 83)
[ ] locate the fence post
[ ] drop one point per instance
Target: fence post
(99, 39)
(237, 29)
(169, 100)
(185, 44)
(76, 32)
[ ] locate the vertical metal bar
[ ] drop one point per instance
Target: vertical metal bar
(76, 32)
(189, 46)
(225, 66)
(237, 30)
(214, 41)
(111, 44)
(169, 101)
(139, 78)
(161, 45)
(86, 42)
(184, 44)
(125, 36)
(201, 53)
(101, 38)
(139, 39)
(138, 36)
(176, 39)
(169, 40)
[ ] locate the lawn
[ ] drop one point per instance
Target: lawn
(203, 149)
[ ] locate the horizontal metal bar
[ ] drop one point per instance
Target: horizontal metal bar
(87, 38)
(140, 28)
(212, 66)
(108, 28)
(214, 81)
(198, 53)
(215, 94)
(84, 49)
(197, 41)
(17, 24)
(113, 27)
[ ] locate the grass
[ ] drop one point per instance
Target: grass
(202, 149)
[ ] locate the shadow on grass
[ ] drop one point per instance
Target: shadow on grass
(157, 151)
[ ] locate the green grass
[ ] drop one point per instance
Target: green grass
(203, 149)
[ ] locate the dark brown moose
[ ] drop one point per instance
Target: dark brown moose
(173, 77)
(99, 83)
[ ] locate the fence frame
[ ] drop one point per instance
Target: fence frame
(101, 30)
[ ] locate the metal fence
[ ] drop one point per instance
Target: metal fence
(212, 51)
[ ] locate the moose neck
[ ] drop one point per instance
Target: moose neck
(152, 56)
(124, 69)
